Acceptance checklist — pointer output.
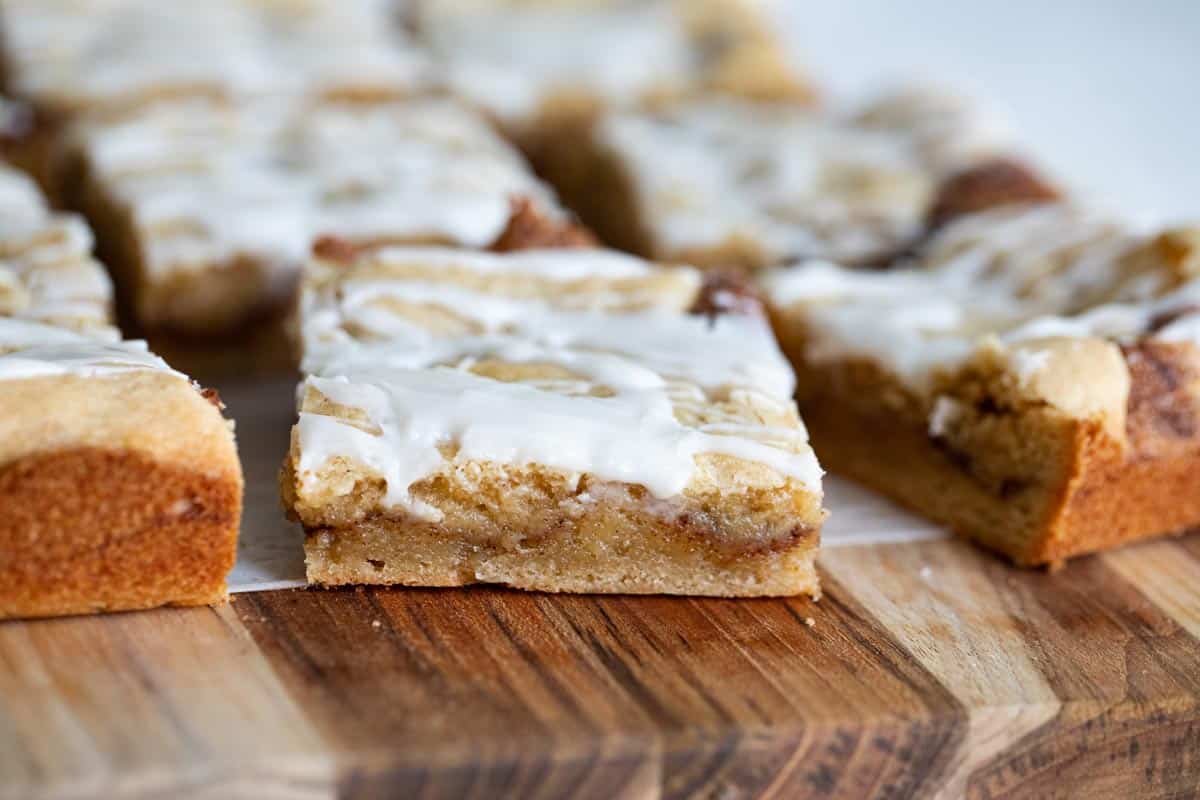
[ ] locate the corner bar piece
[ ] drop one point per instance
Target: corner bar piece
(549, 420)
(721, 183)
(120, 486)
(1030, 378)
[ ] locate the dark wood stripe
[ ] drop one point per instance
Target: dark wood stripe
(492, 693)
(463, 693)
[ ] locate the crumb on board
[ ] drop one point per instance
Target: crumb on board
(376, 623)
(810, 622)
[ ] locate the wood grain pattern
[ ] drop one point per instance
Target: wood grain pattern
(929, 670)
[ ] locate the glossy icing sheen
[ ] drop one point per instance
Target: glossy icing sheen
(995, 279)
(47, 272)
(793, 182)
(69, 54)
(206, 182)
(610, 410)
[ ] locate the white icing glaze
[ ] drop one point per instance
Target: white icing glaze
(738, 351)
(545, 264)
(33, 350)
(19, 334)
(415, 385)
(509, 58)
(793, 182)
(994, 279)
(206, 183)
(631, 437)
(77, 53)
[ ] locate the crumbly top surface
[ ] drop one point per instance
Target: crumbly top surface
(47, 273)
(1016, 281)
(68, 55)
(207, 182)
(582, 361)
(795, 182)
(512, 57)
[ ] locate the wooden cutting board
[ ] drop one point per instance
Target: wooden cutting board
(927, 670)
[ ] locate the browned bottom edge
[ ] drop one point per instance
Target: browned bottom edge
(89, 530)
(599, 559)
(1100, 500)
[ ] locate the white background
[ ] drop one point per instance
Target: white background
(1105, 94)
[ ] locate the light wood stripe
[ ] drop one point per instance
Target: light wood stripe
(1168, 574)
(1129, 680)
(943, 601)
(177, 703)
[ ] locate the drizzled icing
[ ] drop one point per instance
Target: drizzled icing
(71, 54)
(20, 334)
(630, 372)
(510, 57)
(46, 270)
(206, 182)
(998, 278)
(793, 182)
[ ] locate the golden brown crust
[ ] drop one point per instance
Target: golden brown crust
(92, 529)
(1077, 488)
(404, 552)
(1150, 488)
(994, 183)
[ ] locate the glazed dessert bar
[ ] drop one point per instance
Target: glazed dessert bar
(65, 57)
(531, 64)
(120, 485)
(205, 210)
(1030, 377)
(565, 421)
(719, 182)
